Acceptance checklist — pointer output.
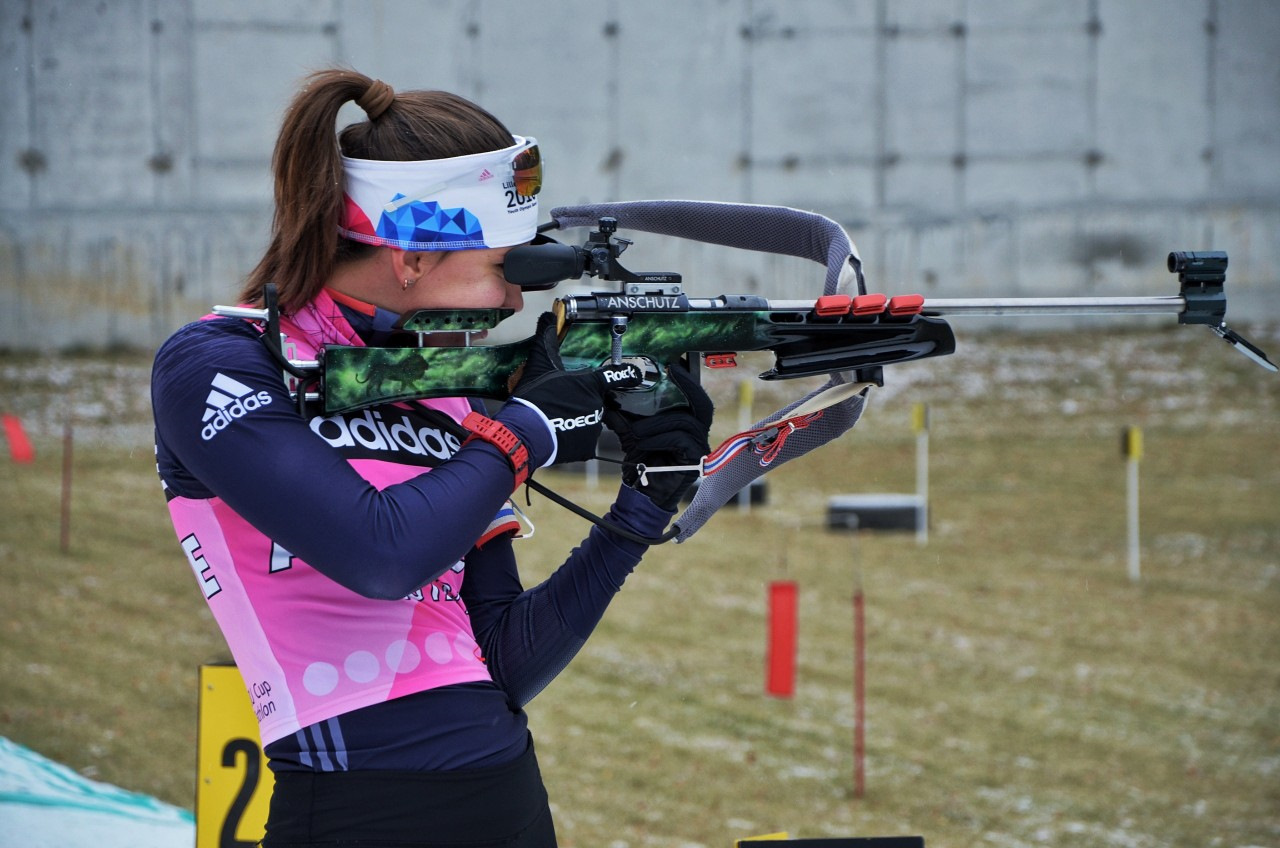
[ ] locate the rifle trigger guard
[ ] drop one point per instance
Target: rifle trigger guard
(617, 327)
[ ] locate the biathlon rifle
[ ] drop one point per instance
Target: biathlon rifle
(648, 320)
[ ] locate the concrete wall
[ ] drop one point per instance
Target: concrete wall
(971, 147)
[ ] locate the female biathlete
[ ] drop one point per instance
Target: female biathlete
(361, 566)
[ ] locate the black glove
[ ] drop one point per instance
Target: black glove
(672, 437)
(573, 401)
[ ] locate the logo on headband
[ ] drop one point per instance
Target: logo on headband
(419, 223)
(424, 221)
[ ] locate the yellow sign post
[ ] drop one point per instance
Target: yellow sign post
(920, 425)
(1132, 444)
(233, 783)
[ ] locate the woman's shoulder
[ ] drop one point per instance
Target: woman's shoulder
(212, 331)
(211, 339)
(208, 345)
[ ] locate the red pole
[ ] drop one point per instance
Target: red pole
(65, 537)
(859, 694)
(783, 595)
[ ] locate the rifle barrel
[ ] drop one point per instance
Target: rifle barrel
(1163, 305)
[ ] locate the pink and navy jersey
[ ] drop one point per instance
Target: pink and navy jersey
(339, 556)
(309, 647)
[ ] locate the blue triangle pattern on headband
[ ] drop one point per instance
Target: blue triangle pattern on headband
(458, 221)
(424, 222)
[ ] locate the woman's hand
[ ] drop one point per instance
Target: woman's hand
(572, 402)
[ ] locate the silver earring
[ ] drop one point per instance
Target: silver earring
(407, 282)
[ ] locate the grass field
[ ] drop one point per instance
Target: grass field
(1021, 690)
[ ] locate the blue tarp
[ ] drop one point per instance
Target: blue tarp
(44, 804)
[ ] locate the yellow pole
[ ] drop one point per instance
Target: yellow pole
(920, 425)
(1133, 452)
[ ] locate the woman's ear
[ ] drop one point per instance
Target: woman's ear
(412, 265)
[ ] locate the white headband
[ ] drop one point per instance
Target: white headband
(460, 203)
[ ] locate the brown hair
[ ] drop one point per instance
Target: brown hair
(305, 246)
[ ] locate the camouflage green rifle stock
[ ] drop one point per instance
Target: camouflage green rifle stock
(648, 329)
